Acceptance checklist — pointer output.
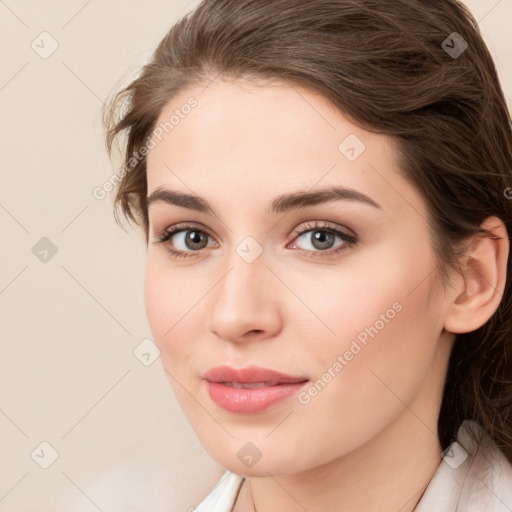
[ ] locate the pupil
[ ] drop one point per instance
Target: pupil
(194, 238)
(322, 239)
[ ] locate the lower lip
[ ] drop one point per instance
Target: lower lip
(249, 401)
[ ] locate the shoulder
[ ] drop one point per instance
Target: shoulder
(474, 476)
(223, 495)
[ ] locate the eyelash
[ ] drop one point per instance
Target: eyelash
(349, 240)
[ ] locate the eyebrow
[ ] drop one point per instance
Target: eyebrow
(281, 204)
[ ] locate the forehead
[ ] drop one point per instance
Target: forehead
(268, 138)
(281, 118)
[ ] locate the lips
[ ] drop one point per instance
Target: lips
(249, 390)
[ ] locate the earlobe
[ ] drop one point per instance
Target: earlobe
(480, 286)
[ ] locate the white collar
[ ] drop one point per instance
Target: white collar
(474, 476)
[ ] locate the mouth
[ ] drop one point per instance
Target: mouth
(250, 390)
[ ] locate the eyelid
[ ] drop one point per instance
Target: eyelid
(181, 226)
(324, 225)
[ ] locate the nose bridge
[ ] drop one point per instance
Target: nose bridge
(243, 300)
(244, 282)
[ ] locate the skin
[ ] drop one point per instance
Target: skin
(368, 440)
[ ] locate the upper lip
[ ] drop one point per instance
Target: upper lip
(250, 374)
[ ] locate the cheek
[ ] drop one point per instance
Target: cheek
(386, 324)
(377, 376)
(171, 299)
(370, 298)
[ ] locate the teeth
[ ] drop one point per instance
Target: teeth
(249, 385)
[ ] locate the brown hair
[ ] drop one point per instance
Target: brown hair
(394, 67)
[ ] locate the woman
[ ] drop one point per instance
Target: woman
(323, 190)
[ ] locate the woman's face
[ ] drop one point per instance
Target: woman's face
(307, 254)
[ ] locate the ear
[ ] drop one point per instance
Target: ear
(478, 288)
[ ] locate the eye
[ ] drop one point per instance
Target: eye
(184, 240)
(323, 238)
(319, 239)
(188, 239)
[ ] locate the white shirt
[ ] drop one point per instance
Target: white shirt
(472, 477)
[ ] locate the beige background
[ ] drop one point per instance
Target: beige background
(70, 325)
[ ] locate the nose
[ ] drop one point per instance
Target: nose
(246, 302)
